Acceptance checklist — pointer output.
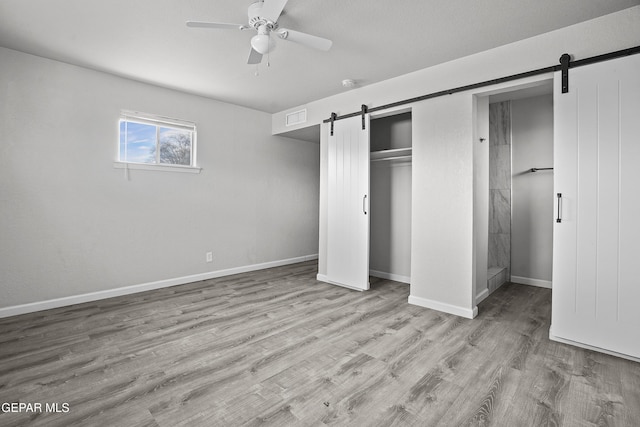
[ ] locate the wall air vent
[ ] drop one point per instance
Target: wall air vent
(296, 117)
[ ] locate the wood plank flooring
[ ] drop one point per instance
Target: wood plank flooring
(276, 347)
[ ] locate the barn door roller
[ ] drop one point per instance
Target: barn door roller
(364, 112)
(565, 59)
(333, 119)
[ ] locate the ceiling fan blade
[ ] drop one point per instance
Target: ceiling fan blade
(271, 9)
(305, 39)
(254, 57)
(218, 25)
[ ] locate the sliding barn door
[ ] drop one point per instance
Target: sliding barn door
(348, 204)
(596, 281)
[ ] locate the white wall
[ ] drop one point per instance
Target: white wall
(532, 193)
(481, 196)
(442, 249)
(71, 224)
(445, 126)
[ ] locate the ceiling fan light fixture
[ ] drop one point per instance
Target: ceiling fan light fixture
(262, 43)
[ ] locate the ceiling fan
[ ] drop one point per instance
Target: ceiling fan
(263, 17)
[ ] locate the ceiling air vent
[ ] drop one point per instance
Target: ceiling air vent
(296, 117)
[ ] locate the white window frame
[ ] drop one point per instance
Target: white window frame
(158, 121)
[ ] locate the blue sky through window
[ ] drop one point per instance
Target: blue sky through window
(139, 141)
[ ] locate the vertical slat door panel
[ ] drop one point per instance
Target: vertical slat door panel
(347, 200)
(629, 277)
(596, 287)
(608, 200)
(586, 197)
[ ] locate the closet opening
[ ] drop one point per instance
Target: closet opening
(519, 203)
(390, 197)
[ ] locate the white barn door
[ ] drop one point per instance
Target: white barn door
(348, 204)
(596, 252)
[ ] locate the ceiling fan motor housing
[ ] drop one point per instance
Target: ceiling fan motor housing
(256, 21)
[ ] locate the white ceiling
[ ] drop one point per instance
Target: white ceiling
(147, 40)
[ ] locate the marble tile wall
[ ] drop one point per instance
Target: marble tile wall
(496, 277)
(500, 186)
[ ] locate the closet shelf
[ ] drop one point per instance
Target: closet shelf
(392, 154)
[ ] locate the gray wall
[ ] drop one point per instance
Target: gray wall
(532, 210)
(71, 224)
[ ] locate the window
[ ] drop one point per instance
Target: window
(151, 140)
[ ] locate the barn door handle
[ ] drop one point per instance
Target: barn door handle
(559, 218)
(364, 204)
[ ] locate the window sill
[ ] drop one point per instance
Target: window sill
(162, 168)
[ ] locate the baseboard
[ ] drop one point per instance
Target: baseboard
(531, 282)
(374, 273)
(441, 306)
(134, 289)
(325, 279)
(390, 276)
(590, 347)
(482, 296)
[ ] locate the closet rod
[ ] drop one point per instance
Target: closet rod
(382, 159)
(540, 169)
(553, 68)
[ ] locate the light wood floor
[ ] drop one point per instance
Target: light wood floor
(276, 347)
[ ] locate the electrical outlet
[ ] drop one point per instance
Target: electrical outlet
(209, 256)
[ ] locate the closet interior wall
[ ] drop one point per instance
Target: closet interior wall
(499, 256)
(532, 194)
(520, 201)
(390, 203)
